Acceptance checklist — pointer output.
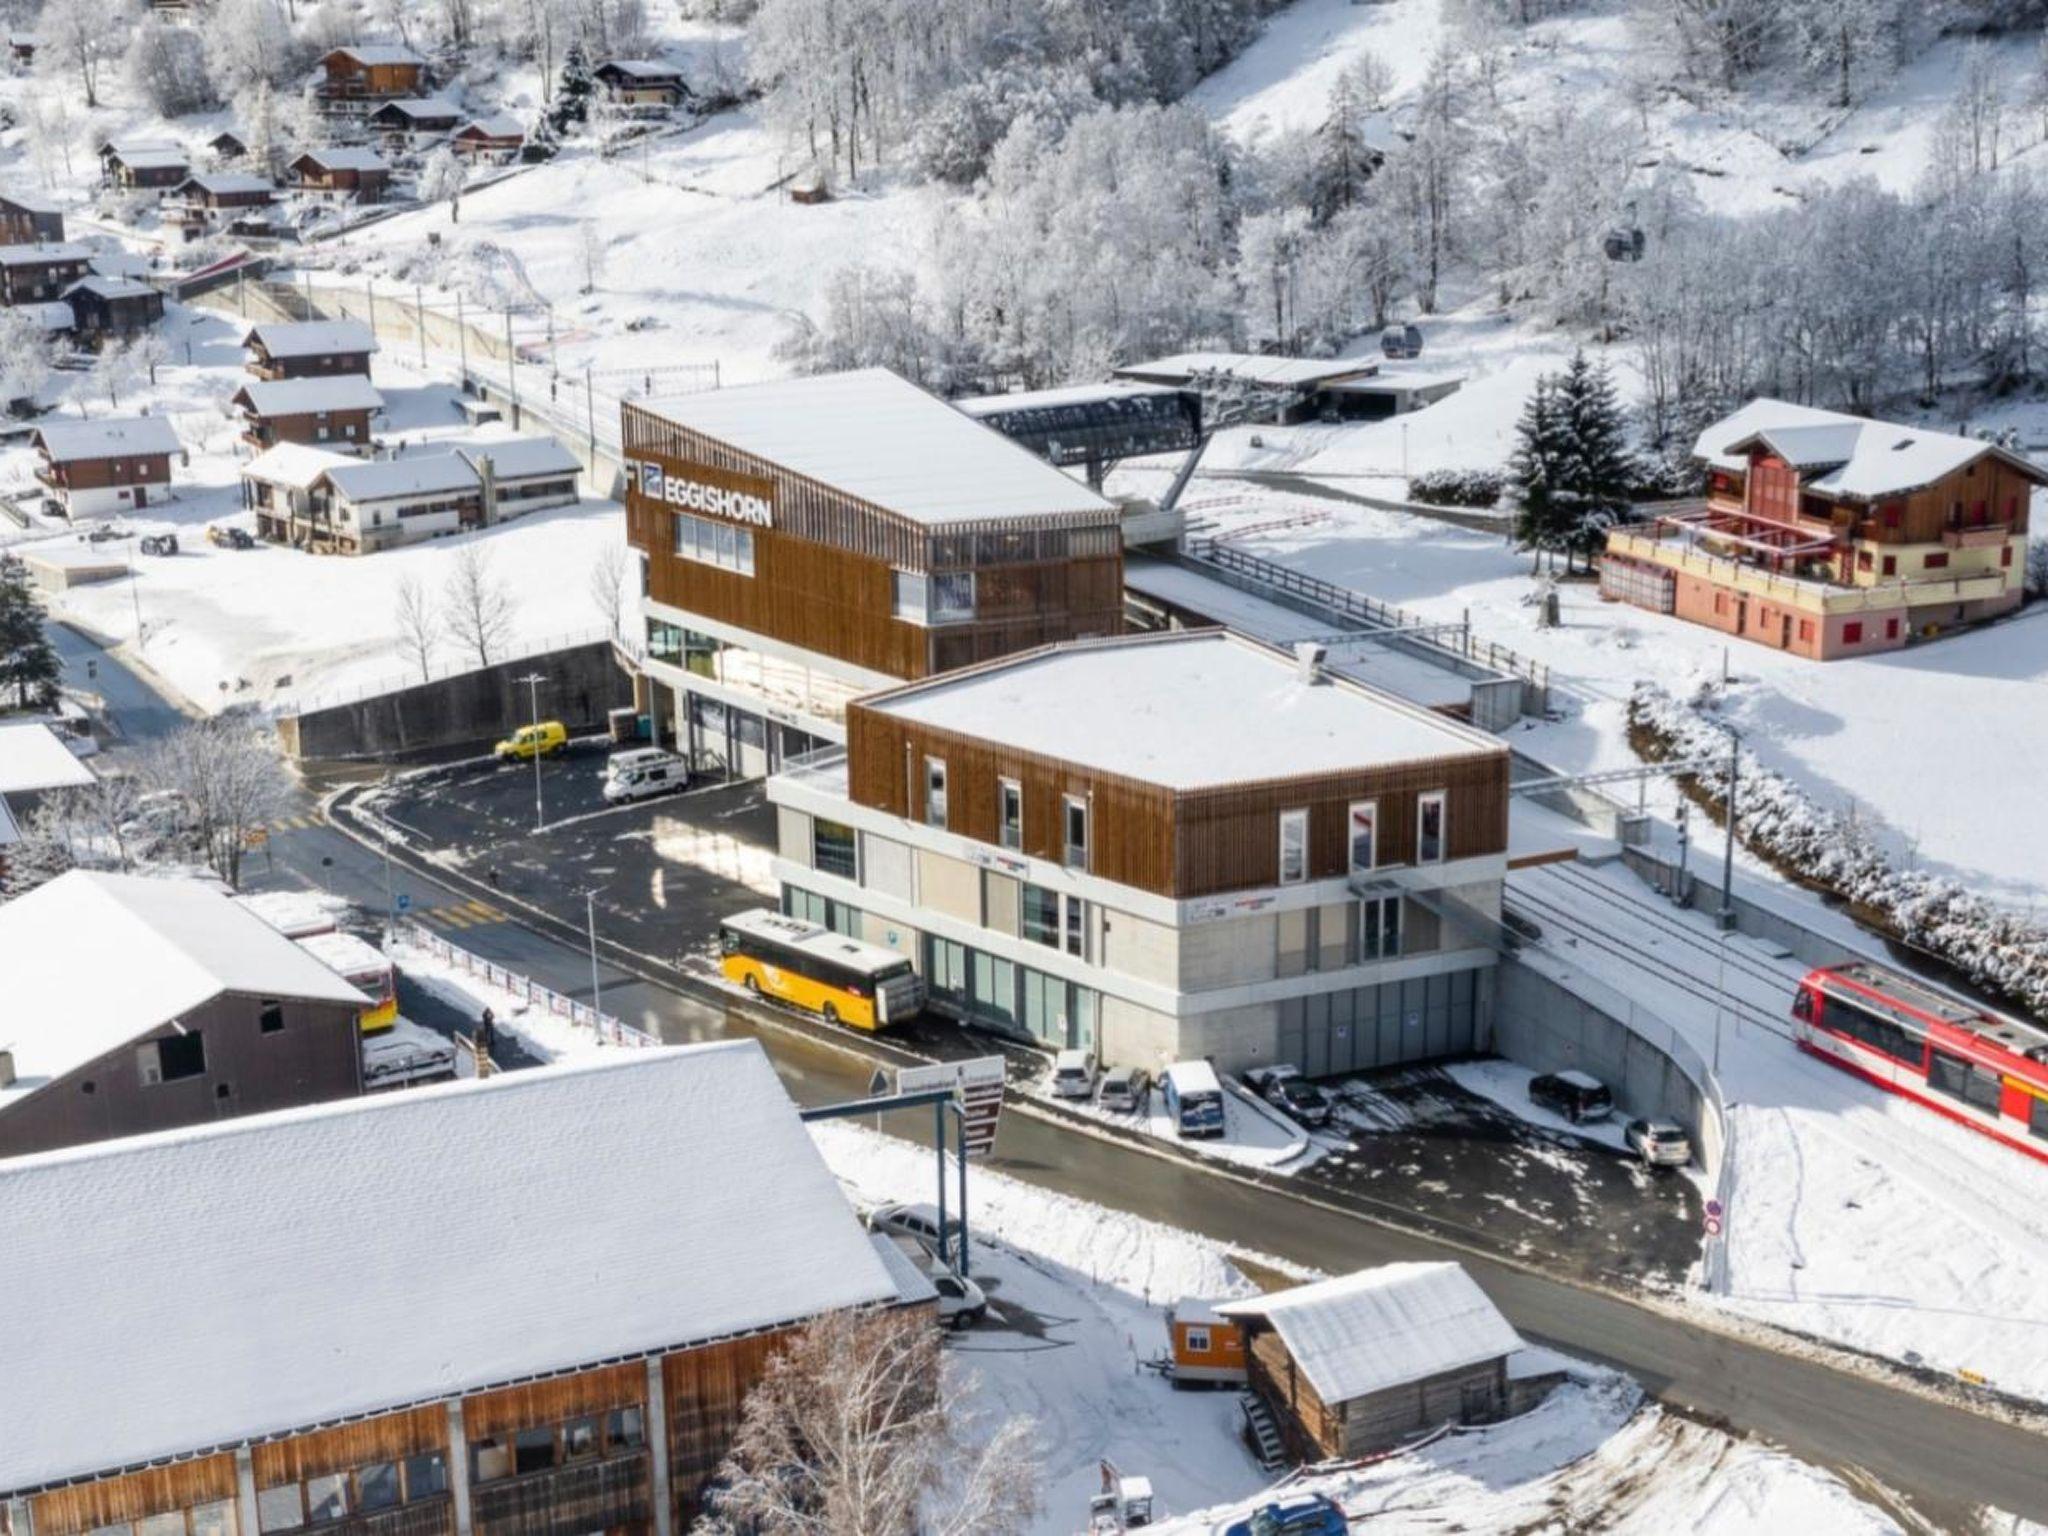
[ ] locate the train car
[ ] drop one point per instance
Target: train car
(1980, 1068)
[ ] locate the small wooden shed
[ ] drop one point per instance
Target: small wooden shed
(1360, 1363)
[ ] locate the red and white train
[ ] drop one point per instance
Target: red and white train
(1983, 1069)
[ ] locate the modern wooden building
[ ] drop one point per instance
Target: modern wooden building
(1828, 535)
(112, 308)
(523, 1306)
(640, 83)
(349, 79)
(104, 464)
(1165, 847)
(1358, 1364)
(330, 412)
(342, 174)
(308, 349)
(208, 1012)
(498, 137)
(29, 220)
(810, 540)
(38, 273)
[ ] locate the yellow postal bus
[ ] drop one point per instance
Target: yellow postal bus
(840, 979)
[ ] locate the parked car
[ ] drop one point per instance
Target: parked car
(643, 772)
(961, 1302)
(159, 543)
(1576, 1095)
(543, 740)
(1194, 1098)
(1297, 1514)
(1284, 1088)
(919, 1220)
(227, 536)
(1125, 1090)
(101, 533)
(1659, 1143)
(1074, 1074)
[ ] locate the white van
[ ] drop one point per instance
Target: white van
(642, 772)
(1194, 1098)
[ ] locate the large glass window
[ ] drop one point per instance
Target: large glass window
(426, 1475)
(1959, 1079)
(1039, 916)
(1379, 929)
(626, 1429)
(994, 994)
(2037, 1117)
(1077, 926)
(1293, 847)
(711, 543)
(533, 1450)
(832, 848)
(946, 970)
(952, 596)
(1074, 816)
(1010, 813)
(326, 1498)
(280, 1509)
(1866, 1028)
(909, 596)
(665, 642)
(1430, 842)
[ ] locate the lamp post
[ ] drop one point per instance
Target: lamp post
(533, 680)
(590, 922)
(1726, 916)
(390, 895)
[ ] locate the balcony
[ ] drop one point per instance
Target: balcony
(423, 1517)
(587, 1496)
(1982, 536)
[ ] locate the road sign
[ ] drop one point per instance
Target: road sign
(255, 837)
(977, 1083)
(404, 902)
(1713, 1226)
(1716, 1209)
(879, 1083)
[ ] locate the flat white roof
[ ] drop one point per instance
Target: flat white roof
(34, 757)
(346, 1258)
(1276, 372)
(311, 338)
(168, 945)
(644, 69)
(304, 397)
(1386, 1327)
(106, 437)
(297, 465)
(1191, 710)
(882, 440)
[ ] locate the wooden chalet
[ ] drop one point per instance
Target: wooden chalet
(308, 349)
(408, 122)
(1356, 1365)
(498, 137)
(21, 47)
(349, 78)
(104, 308)
(227, 147)
(28, 220)
(36, 273)
(345, 174)
(148, 168)
(220, 199)
(447, 1365)
(104, 464)
(640, 83)
(332, 412)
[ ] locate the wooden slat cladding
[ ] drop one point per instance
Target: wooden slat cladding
(1925, 514)
(153, 1491)
(553, 1400)
(1181, 844)
(344, 1446)
(706, 1389)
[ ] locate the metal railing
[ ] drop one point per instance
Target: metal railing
(608, 1030)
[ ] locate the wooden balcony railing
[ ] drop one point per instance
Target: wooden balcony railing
(587, 1496)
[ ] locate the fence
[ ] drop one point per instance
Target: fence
(608, 1030)
(1370, 612)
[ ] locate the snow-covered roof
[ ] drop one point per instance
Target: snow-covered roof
(707, 1189)
(151, 159)
(228, 136)
(134, 143)
(227, 183)
(1251, 367)
(1188, 710)
(1390, 381)
(106, 437)
(311, 338)
(882, 440)
(980, 406)
(34, 757)
(498, 125)
(428, 107)
(344, 953)
(30, 202)
(294, 914)
(642, 69)
(104, 287)
(375, 53)
(305, 397)
(41, 252)
(1849, 456)
(518, 458)
(296, 465)
(428, 474)
(1379, 1328)
(344, 157)
(176, 943)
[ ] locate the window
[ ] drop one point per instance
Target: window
(1866, 1028)
(1364, 822)
(2005, 556)
(1074, 814)
(2037, 1117)
(832, 848)
(280, 1509)
(1935, 559)
(1379, 928)
(170, 1059)
(171, 1524)
(533, 1450)
(326, 1498)
(377, 1486)
(1892, 511)
(910, 596)
(580, 1439)
(720, 544)
(1293, 847)
(1197, 1341)
(1863, 560)
(270, 1018)
(1891, 629)
(934, 792)
(1960, 1079)
(1852, 633)
(1429, 827)
(1010, 813)
(425, 1475)
(952, 597)
(1039, 916)
(625, 1429)
(489, 1460)
(1806, 629)
(1891, 565)
(1077, 926)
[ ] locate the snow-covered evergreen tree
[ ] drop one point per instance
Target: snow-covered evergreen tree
(1598, 472)
(1536, 471)
(28, 662)
(570, 109)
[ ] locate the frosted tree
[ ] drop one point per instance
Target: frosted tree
(29, 667)
(1843, 41)
(441, 176)
(591, 249)
(79, 37)
(249, 44)
(571, 108)
(166, 66)
(1976, 117)
(1430, 171)
(148, 352)
(1271, 247)
(25, 361)
(419, 627)
(1536, 472)
(226, 773)
(1344, 157)
(476, 605)
(608, 575)
(859, 1427)
(113, 370)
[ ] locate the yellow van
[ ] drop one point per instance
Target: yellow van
(543, 740)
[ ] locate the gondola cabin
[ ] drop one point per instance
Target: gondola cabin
(1205, 1347)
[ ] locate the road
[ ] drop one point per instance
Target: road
(1947, 1462)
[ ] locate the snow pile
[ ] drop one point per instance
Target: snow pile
(1993, 947)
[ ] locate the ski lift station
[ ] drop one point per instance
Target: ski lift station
(1304, 388)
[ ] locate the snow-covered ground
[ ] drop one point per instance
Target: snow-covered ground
(1254, 1135)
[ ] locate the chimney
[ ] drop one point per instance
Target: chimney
(1308, 656)
(6, 1069)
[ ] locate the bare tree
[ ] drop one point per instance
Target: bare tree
(149, 352)
(113, 370)
(419, 631)
(608, 584)
(477, 605)
(857, 1429)
(227, 775)
(82, 35)
(591, 244)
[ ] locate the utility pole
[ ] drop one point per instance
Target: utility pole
(590, 921)
(512, 368)
(533, 680)
(370, 292)
(390, 896)
(1726, 916)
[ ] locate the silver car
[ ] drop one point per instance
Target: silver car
(1659, 1143)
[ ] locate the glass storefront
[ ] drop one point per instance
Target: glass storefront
(993, 992)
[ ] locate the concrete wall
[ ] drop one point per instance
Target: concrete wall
(469, 708)
(1703, 891)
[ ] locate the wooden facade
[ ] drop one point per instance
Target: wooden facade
(1989, 492)
(823, 572)
(303, 366)
(35, 278)
(1361, 1426)
(129, 309)
(343, 431)
(28, 223)
(349, 77)
(362, 183)
(1183, 843)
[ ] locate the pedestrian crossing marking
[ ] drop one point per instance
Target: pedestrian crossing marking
(463, 914)
(294, 824)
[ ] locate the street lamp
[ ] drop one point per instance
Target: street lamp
(1726, 916)
(590, 922)
(533, 680)
(390, 897)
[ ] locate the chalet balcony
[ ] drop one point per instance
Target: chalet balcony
(1981, 536)
(422, 1517)
(587, 1496)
